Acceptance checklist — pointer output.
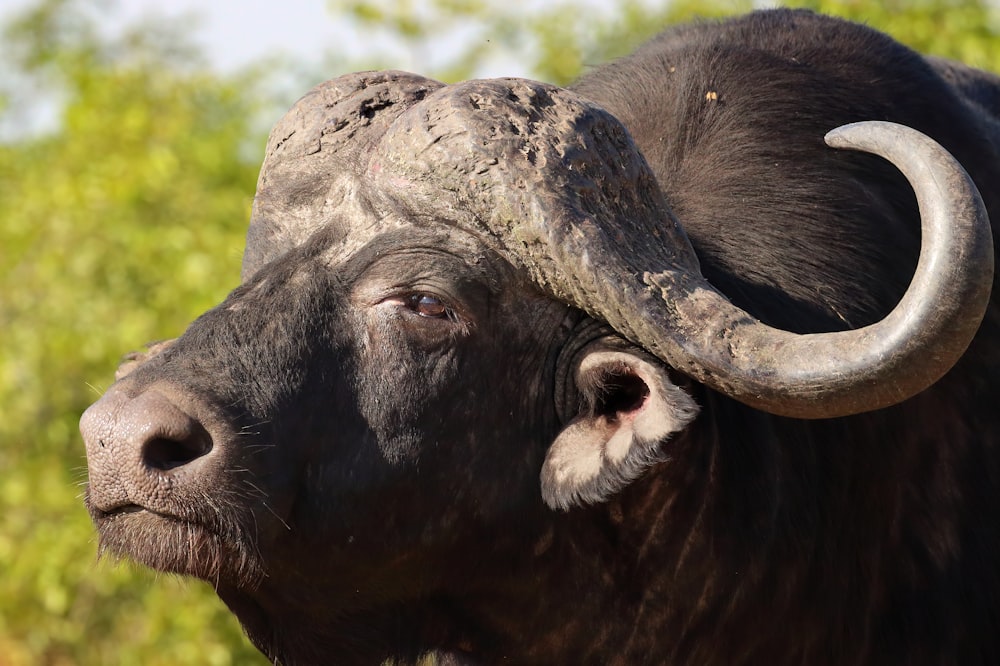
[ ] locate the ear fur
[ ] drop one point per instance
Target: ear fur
(133, 360)
(628, 409)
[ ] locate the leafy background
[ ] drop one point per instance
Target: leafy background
(126, 219)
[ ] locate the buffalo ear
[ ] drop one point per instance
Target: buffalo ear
(628, 408)
(133, 360)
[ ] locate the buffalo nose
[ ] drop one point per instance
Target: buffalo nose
(169, 438)
(139, 448)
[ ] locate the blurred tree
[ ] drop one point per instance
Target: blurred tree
(965, 30)
(119, 227)
(126, 220)
(552, 42)
(558, 40)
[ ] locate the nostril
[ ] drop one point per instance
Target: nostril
(164, 453)
(164, 435)
(148, 449)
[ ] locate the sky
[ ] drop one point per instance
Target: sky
(237, 32)
(234, 33)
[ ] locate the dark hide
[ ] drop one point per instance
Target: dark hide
(349, 447)
(731, 118)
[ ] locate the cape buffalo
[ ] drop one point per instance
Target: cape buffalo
(636, 372)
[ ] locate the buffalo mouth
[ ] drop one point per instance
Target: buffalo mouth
(217, 549)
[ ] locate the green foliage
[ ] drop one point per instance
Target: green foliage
(964, 30)
(127, 221)
(559, 40)
(117, 229)
(553, 43)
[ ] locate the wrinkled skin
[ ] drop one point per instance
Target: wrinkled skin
(349, 448)
(301, 355)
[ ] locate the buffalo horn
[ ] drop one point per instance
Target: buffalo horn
(556, 185)
(559, 185)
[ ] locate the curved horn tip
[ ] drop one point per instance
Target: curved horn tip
(862, 133)
(846, 372)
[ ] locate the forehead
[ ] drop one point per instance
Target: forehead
(362, 147)
(392, 251)
(315, 160)
(346, 220)
(406, 247)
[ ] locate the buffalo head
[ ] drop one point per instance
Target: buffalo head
(461, 304)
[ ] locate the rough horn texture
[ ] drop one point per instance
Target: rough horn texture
(559, 186)
(316, 154)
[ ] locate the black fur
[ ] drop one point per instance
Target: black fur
(381, 467)
(790, 230)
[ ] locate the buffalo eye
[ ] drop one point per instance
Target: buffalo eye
(429, 306)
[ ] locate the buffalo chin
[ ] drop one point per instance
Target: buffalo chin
(172, 545)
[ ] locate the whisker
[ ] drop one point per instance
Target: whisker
(98, 391)
(257, 449)
(255, 425)
(259, 493)
(262, 498)
(280, 519)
